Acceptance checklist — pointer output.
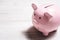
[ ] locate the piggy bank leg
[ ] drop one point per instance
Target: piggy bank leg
(46, 33)
(55, 30)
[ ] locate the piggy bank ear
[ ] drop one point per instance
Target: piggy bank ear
(47, 16)
(34, 6)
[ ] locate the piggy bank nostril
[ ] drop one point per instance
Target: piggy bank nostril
(39, 17)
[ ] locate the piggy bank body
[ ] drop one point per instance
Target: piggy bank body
(46, 18)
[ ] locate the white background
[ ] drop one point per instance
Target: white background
(15, 17)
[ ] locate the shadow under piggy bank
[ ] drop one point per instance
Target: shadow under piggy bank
(34, 34)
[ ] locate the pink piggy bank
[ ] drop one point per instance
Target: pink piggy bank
(46, 18)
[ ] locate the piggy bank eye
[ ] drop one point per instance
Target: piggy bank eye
(34, 14)
(39, 17)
